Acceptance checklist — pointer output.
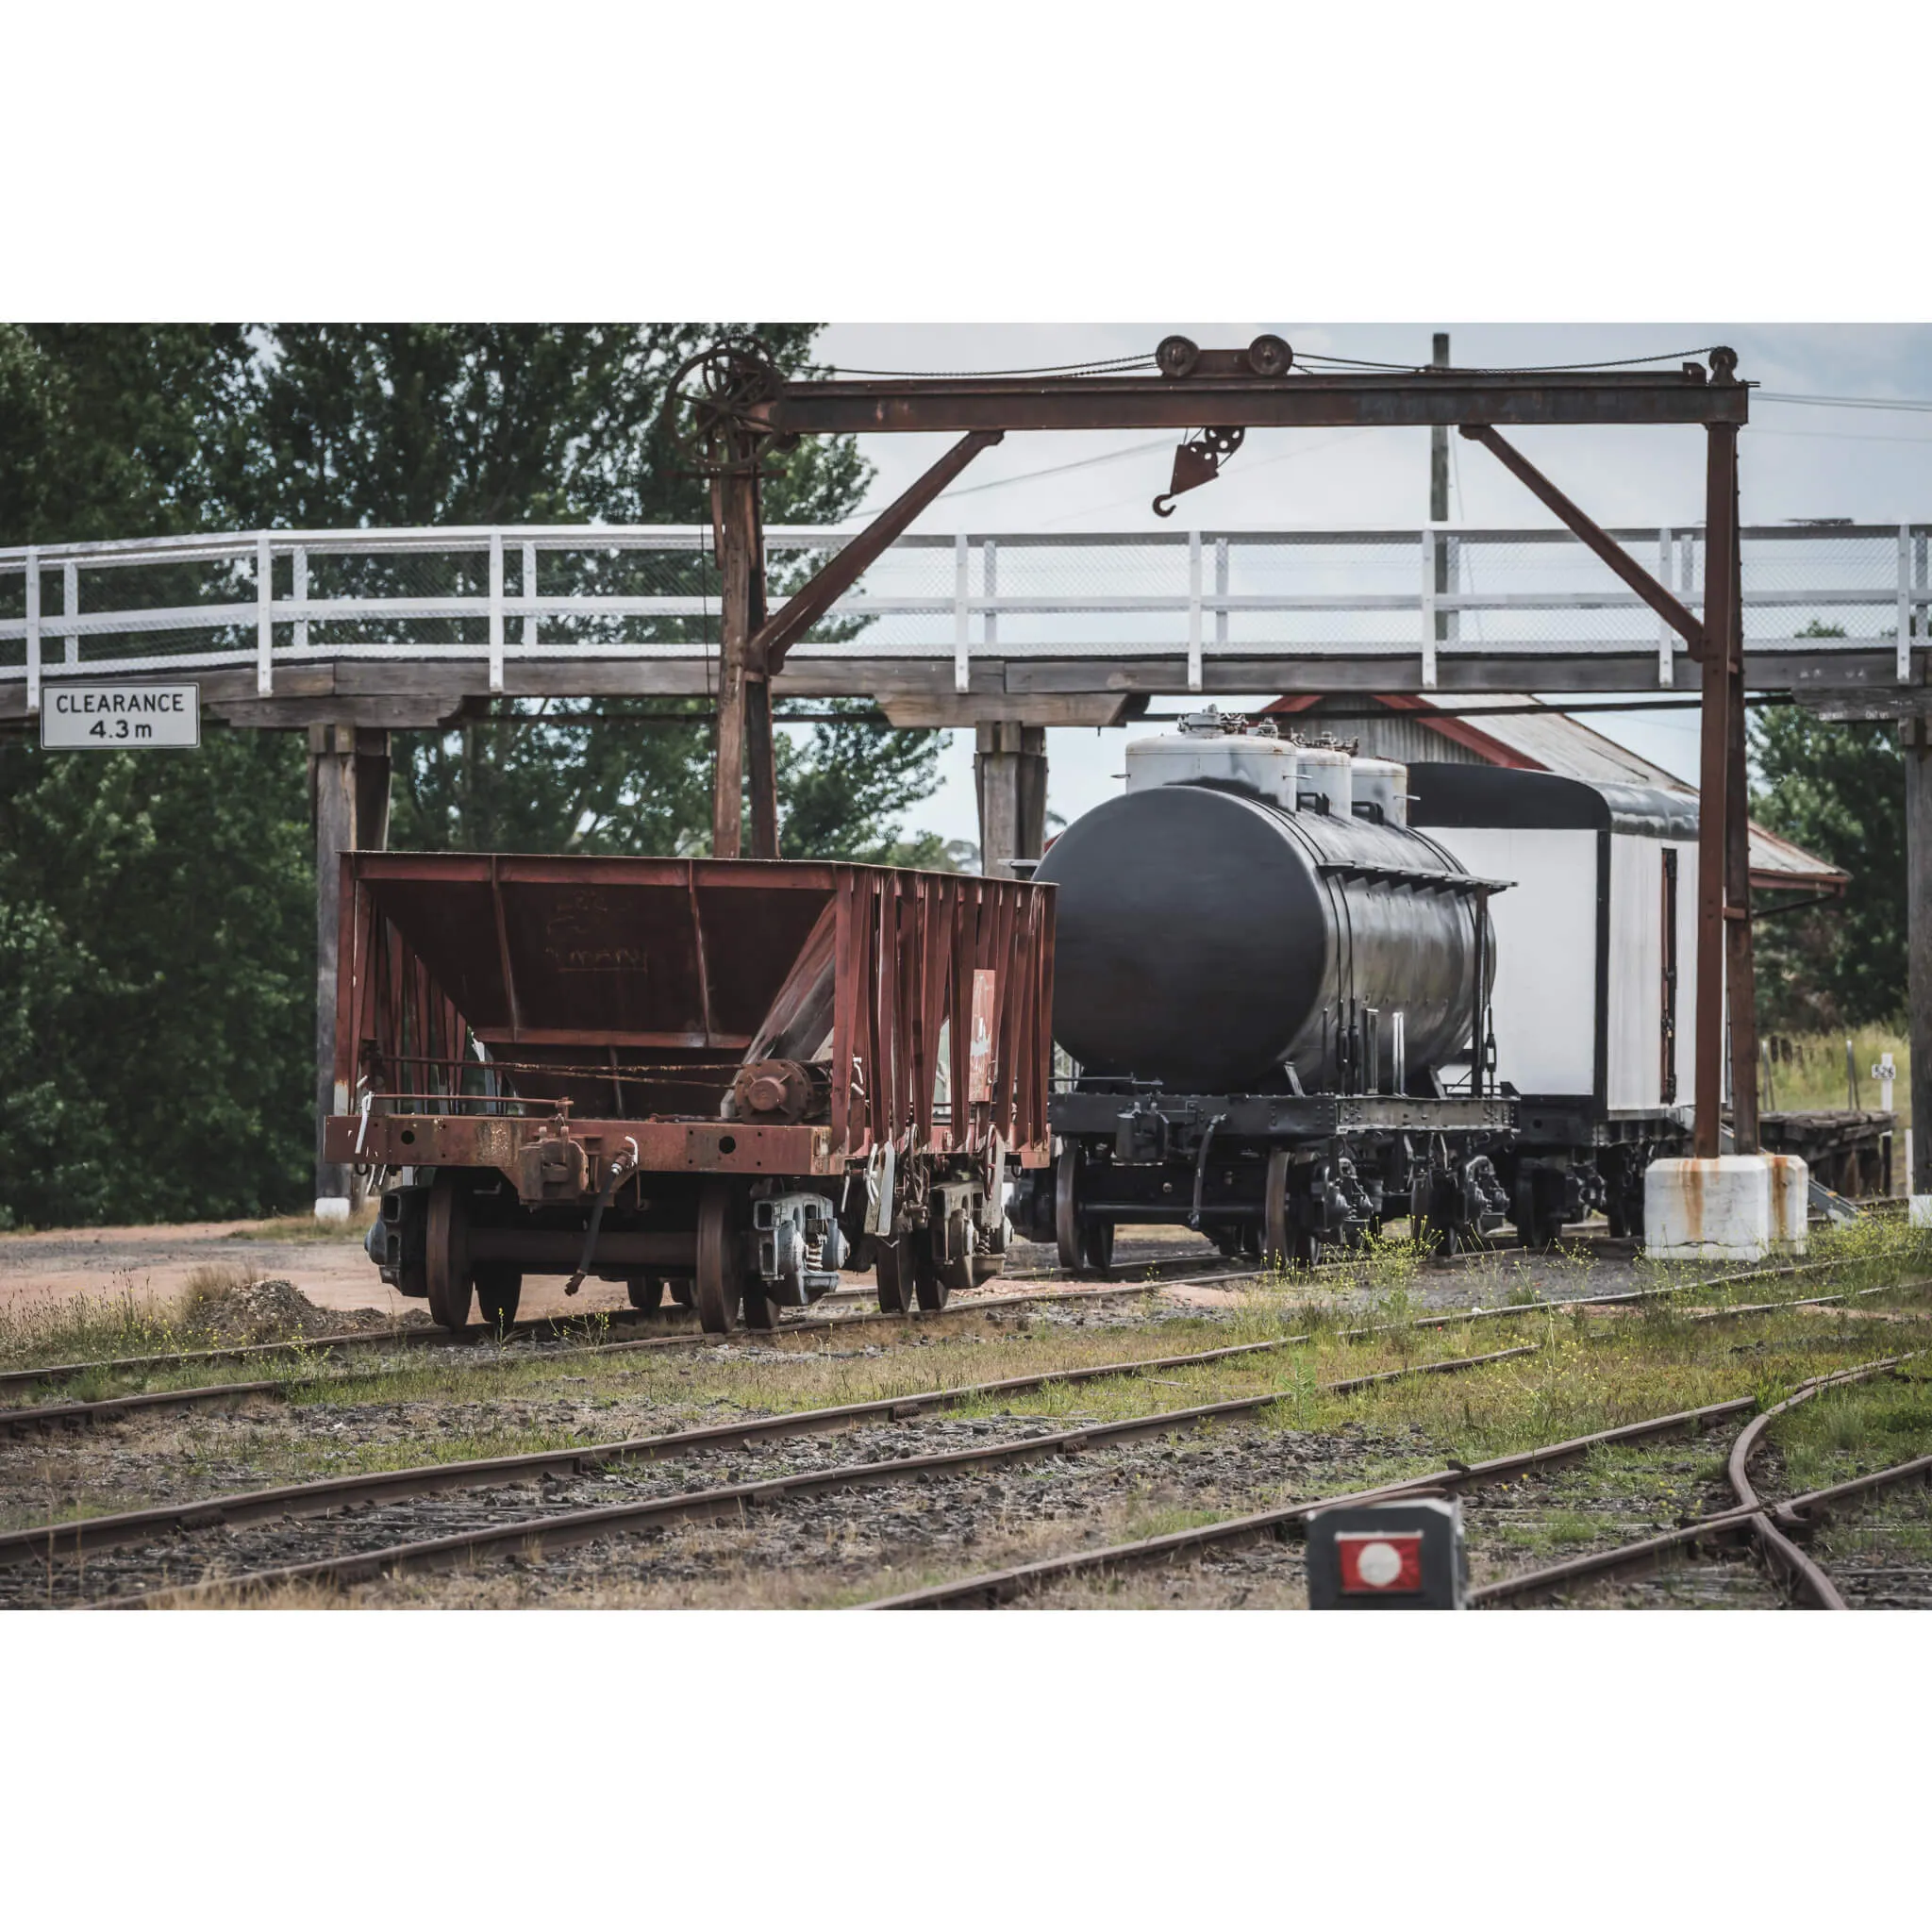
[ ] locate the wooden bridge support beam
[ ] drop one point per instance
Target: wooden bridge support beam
(1009, 774)
(744, 751)
(348, 793)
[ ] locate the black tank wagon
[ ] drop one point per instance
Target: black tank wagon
(1276, 993)
(719, 1079)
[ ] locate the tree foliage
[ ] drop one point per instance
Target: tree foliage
(1839, 790)
(156, 969)
(157, 948)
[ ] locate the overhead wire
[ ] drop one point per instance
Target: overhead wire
(1113, 366)
(1138, 449)
(1507, 369)
(1917, 405)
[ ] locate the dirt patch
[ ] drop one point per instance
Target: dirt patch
(233, 1310)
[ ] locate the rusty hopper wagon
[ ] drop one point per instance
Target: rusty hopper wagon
(717, 1079)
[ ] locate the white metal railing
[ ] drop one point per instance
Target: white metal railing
(588, 591)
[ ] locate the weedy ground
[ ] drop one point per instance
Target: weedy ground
(1592, 1368)
(306, 1227)
(1810, 1072)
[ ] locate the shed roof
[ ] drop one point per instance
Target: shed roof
(1531, 737)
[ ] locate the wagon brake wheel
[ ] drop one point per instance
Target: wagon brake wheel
(718, 1286)
(1276, 1235)
(447, 1253)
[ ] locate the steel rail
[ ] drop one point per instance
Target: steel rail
(990, 1588)
(559, 1327)
(1804, 1577)
(43, 1416)
(1813, 1301)
(535, 1534)
(1726, 1523)
(14, 1419)
(71, 1537)
(1807, 1582)
(993, 1587)
(42, 1538)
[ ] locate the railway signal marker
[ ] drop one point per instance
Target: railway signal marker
(1403, 1556)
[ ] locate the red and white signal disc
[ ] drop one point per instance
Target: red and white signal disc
(1381, 1562)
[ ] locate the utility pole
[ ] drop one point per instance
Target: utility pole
(1917, 733)
(1438, 453)
(1439, 490)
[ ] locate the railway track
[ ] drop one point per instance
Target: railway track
(1769, 1526)
(569, 1331)
(532, 1535)
(79, 1414)
(989, 1589)
(40, 1417)
(101, 1532)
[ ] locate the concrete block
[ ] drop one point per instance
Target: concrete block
(331, 1208)
(1708, 1210)
(1791, 1202)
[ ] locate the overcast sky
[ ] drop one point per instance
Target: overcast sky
(1798, 461)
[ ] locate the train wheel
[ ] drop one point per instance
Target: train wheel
(718, 1287)
(892, 1265)
(1276, 1235)
(682, 1291)
(929, 1281)
(645, 1292)
(760, 1310)
(1066, 1208)
(1099, 1245)
(499, 1286)
(447, 1253)
(1541, 1234)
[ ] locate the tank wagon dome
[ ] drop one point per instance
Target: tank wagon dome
(1239, 906)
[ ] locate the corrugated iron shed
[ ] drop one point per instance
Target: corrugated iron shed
(1493, 728)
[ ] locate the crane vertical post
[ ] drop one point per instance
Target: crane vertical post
(1720, 543)
(1741, 970)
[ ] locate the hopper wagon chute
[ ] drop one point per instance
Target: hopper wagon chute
(719, 1080)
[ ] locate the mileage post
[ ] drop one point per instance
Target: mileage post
(121, 717)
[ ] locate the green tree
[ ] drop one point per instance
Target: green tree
(120, 430)
(156, 912)
(156, 960)
(440, 425)
(1839, 790)
(156, 973)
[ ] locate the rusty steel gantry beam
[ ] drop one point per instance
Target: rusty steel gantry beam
(744, 407)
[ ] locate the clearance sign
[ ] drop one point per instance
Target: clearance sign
(120, 717)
